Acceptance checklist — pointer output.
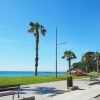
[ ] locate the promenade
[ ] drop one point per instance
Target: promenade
(58, 91)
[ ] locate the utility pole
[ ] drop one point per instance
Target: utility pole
(56, 52)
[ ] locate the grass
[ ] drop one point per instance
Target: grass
(33, 80)
(29, 79)
(94, 74)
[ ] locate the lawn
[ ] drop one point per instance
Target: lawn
(29, 79)
(33, 79)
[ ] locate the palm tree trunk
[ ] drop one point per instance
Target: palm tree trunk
(36, 59)
(69, 67)
(86, 69)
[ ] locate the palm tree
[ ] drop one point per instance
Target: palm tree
(35, 29)
(69, 55)
(88, 59)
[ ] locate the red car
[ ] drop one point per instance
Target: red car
(79, 74)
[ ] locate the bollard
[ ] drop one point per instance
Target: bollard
(69, 82)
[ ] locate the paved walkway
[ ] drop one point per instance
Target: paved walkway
(58, 91)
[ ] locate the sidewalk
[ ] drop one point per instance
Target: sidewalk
(85, 92)
(58, 91)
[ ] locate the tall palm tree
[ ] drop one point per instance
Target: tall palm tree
(35, 29)
(69, 55)
(87, 59)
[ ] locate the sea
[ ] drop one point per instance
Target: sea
(28, 73)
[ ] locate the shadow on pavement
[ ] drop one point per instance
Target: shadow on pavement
(96, 82)
(48, 90)
(44, 90)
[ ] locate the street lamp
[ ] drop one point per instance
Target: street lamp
(56, 51)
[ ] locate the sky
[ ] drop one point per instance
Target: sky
(77, 21)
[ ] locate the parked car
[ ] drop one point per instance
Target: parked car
(78, 73)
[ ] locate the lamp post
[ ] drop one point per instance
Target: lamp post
(56, 52)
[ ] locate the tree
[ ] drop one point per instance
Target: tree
(35, 29)
(90, 62)
(69, 55)
(97, 58)
(78, 65)
(88, 59)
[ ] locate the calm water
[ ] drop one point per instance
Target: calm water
(26, 73)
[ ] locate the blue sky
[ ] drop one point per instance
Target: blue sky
(78, 23)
